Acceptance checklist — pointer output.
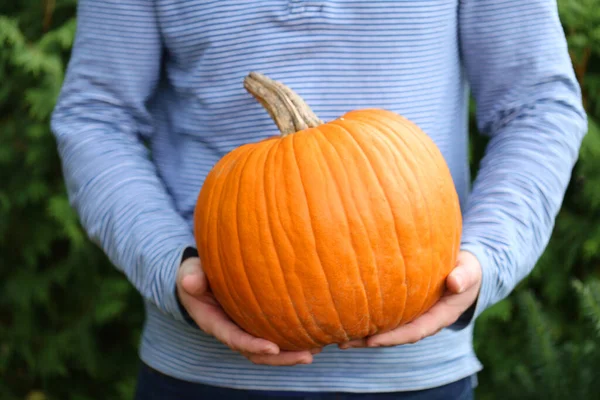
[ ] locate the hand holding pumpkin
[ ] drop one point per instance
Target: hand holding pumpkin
(194, 293)
(462, 289)
(332, 232)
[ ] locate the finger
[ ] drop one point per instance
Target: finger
(209, 298)
(192, 278)
(461, 278)
(438, 317)
(357, 343)
(235, 338)
(194, 284)
(286, 358)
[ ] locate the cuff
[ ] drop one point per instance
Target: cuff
(483, 300)
(188, 252)
(169, 302)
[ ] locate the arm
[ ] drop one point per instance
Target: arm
(528, 102)
(99, 123)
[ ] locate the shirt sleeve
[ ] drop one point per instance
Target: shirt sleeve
(529, 104)
(101, 123)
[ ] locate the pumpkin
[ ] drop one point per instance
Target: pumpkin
(330, 231)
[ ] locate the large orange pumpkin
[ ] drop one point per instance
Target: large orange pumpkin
(331, 231)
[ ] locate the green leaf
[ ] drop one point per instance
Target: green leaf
(36, 395)
(501, 311)
(10, 33)
(578, 40)
(41, 101)
(589, 294)
(62, 37)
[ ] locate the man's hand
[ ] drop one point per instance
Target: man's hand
(194, 294)
(462, 289)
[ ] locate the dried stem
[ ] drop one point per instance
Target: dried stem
(289, 112)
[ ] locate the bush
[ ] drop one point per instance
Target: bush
(543, 342)
(70, 323)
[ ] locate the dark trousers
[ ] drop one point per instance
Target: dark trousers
(153, 385)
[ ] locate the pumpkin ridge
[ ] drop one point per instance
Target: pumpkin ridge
(431, 225)
(259, 205)
(224, 289)
(400, 174)
(405, 176)
(390, 135)
(376, 304)
(341, 199)
(215, 203)
(342, 124)
(231, 289)
(391, 212)
(429, 145)
(274, 210)
(436, 234)
(288, 154)
(242, 274)
(295, 157)
(377, 311)
(455, 204)
(440, 168)
(394, 152)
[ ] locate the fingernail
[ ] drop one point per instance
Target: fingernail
(459, 282)
(188, 269)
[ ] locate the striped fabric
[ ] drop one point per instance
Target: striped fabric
(163, 79)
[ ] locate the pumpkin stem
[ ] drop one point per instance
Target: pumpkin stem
(289, 111)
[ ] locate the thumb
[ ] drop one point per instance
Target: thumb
(464, 275)
(192, 278)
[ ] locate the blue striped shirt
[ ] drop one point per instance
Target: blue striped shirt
(153, 97)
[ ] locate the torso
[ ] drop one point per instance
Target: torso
(338, 55)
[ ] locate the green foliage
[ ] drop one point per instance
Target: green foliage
(70, 323)
(543, 341)
(544, 362)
